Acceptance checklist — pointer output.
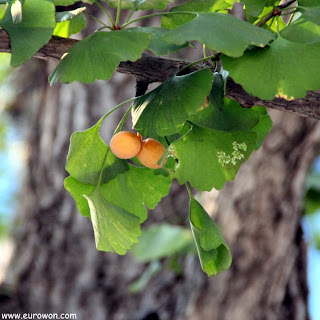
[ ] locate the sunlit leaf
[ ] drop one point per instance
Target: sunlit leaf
(69, 22)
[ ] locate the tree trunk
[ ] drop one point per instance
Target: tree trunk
(56, 267)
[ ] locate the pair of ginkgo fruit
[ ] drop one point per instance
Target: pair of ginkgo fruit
(127, 145)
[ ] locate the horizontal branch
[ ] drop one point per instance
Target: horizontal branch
(157, 69)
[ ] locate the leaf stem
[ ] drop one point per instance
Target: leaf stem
(105, 27)
(188, 189)
(96, 19)
(129, 16)
(106, 12)
(196, 62)
(204, 50)
(122, 121)
(118, 13)
(157, 15)
(119, 127)
(291, 18)
(115, 108)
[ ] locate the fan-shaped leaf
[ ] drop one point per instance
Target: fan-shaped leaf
(209, 158)
(115, 229)
(34, 31)
(172, 21)
(164, 110)
(220, 32)
(274, 71)
(213, 251)
(97, 56)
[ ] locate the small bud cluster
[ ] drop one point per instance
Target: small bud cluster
(224, 159)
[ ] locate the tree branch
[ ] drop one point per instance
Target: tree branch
(157, 69)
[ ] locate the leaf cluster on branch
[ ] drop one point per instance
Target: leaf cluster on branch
(196, 130)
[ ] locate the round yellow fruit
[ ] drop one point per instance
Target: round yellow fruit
(125, 144)
(150, 153)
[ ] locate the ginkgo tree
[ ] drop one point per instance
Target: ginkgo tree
(206, 135)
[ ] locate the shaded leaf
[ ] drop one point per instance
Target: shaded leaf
(214, 253)
(157, 45)
(164, 110)
(141, 283)
(274, 71)
(160, 241)
(97, 56)
(231, 35)
(34, 31)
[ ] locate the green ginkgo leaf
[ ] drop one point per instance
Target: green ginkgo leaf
(196, 6)
(223, 114)
(86, 158)
(273, 71)
(220, 32)
(213, 251)
(164, 110)
(114, 194)
(255, 7)
(160, 241)
(69, 22)
(157, 45)
(306, 29)
(32, 32)
(136, 190)
(209, 158)
(97, 56)
(115, 229)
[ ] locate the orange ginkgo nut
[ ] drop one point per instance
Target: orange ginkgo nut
(125, 145)
(150, 153)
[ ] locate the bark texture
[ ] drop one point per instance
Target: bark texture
(157, 69)
(56, 267)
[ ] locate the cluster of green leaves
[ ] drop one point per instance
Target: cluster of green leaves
(207, 136)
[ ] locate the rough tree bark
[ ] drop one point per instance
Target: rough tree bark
(56, 267)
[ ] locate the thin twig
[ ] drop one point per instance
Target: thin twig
(275, 12)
